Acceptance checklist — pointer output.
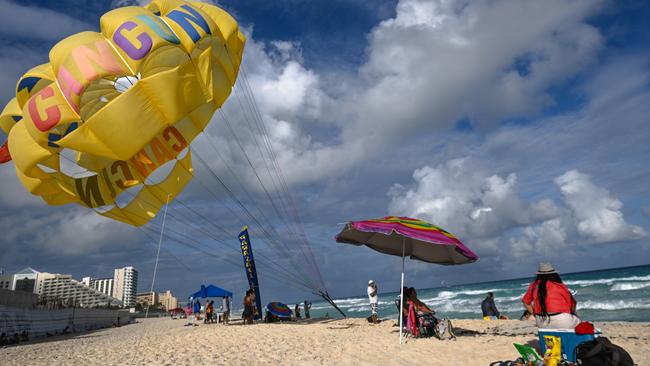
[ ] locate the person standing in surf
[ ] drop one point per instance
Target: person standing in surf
(550, 301)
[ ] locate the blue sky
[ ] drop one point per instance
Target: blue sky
(520, 126)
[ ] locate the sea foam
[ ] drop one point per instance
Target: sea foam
(630, 286)
(606, 281)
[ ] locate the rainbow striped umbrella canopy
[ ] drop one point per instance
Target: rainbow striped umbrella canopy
(404, 236)
(279, 309)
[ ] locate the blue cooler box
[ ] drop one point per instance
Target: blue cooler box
(569, 341)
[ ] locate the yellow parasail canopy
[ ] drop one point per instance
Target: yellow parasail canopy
(124, 102)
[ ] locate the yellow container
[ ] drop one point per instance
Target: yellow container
(553, 353)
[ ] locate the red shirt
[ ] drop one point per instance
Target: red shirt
(558, 298)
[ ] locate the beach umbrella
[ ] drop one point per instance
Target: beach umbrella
(279, 309)
(404, 236)
(210, 291)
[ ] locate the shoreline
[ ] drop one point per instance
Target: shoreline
(352, 341)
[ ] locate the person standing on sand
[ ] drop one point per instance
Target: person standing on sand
(226, 309)
(307, 307)
(253, 297)
(489, 308)
(249, 309)
(209, 309)
(197, 310)
(554, 305)
(374, 299)
(296, 310)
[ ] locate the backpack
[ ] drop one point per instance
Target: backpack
(602, 352)
(444, 329)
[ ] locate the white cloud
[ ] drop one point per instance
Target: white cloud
(464, 198)
(433, 64)
(548, 239)
(441, 61)
(597, 213)
(461, 196)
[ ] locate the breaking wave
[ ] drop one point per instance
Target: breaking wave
(606, 281)
(450, 294)
(630, 286)
(614, 305)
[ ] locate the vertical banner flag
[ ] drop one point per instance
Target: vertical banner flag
(249, 264)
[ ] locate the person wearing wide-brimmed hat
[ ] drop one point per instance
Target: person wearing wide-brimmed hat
(550, 300)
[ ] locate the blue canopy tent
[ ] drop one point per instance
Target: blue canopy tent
(210, 291)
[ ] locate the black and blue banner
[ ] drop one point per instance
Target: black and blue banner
(249, 265)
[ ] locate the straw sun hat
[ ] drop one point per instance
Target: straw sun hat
(545, 268)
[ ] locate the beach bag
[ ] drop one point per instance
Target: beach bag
(444, 329)
(602, 352)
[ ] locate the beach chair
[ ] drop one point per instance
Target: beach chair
(415, 325)
(399, 311)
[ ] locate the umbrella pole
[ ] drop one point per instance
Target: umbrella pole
(401, 298)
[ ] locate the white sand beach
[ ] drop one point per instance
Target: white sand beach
(164, 341)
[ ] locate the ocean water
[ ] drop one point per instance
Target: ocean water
(614, 294)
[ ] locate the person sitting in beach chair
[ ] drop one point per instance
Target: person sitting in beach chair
(420, 319)
(420, 307)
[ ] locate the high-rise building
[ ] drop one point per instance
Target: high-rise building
(125, 285)
(167, 300)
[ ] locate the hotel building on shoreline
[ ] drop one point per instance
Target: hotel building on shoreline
(165, 300)
(56, 288)
(63, 289)
(147, 299)
(103, 285)
(125, 285)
